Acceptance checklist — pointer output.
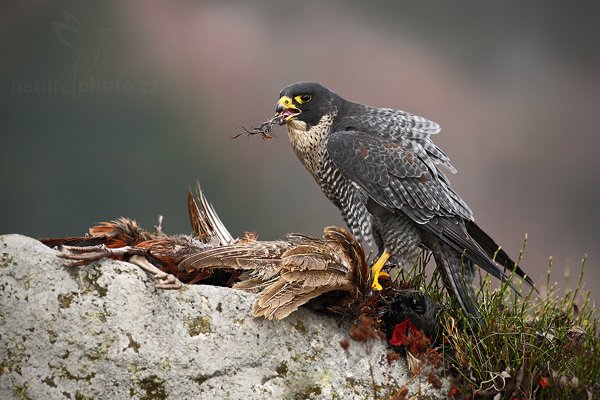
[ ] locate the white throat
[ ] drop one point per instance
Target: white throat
(309, 143)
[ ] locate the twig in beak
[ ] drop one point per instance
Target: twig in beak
(265, 129)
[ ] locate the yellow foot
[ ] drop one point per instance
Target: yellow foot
(376, 270)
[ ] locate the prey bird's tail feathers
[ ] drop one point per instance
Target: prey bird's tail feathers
(206, 224)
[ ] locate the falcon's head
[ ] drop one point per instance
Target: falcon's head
(306, 102)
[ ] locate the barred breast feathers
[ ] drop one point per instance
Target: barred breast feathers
(309, 144)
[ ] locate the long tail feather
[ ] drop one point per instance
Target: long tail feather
(490, 247)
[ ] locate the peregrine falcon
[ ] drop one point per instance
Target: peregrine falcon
(379, 167)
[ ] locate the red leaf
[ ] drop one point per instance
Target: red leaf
(454, 391)
(544, 382)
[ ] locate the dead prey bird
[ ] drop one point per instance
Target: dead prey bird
(285, 273)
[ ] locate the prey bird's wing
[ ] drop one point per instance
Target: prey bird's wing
(308, 270)
(261, 257)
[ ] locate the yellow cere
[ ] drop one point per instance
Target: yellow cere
(286, 102)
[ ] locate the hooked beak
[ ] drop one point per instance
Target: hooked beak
(286, 110)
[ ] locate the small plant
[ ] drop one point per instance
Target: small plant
(525, 347)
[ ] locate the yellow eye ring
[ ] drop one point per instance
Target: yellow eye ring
(303, 98)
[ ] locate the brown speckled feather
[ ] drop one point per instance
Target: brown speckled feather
(285, 273)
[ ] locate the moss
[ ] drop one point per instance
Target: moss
(326, 378)
(65, 300)
(49, 381)
(199, 325)
(135, 369)
(150, 388)
(118, 270)
(52, 336)
(15, 356)
(61, 371)
(93, 317)
(166, 366)
(71, 339)
(7, 260)
(101, 350)
(26, 284)
(307, 393)
(81, 396)
(94, 354)
(299, 326)
(282, 369)
(87, 280)
(20, 392)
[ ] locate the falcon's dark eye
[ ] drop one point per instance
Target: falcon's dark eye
(303, 98)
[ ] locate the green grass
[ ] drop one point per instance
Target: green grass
(527, 347)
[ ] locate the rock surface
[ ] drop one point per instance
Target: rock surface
(104, 332)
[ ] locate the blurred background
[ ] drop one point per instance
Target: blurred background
(116, 108)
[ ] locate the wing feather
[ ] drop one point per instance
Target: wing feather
(399, 174)
(318, 256)
(264, 258)
(395, 173)
(286, 300)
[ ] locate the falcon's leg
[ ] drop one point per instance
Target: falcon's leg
(376, 270)
(165, 281)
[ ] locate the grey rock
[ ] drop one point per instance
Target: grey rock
(104, 332)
